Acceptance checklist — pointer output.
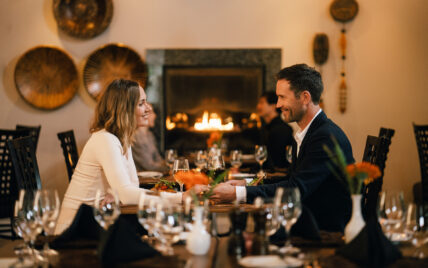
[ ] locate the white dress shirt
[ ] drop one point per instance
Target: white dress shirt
(241, 192)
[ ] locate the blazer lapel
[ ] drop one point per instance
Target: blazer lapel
(318, 121)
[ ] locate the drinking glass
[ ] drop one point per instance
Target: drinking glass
(216, 165)
(147, 216)
(169, 218)
(415, 227)
(170, 156)
(106, 212)
(201, 159)
(391, 213)
(236, 158)
(49, 206)
(291, 208)
(180, 164)
(31, 214)
(261, 155)
(21, 230)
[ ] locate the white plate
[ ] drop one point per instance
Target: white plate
(242, 175)
(400, 237)
(247, 156)
(149, 174)
(262, 261)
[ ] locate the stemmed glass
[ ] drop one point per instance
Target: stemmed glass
(291, 208)
(391, 212)
(170, 156)
(415, 226)
(216, 165)
(105, 212)
(20, 228)
(236, 158)
(180, 164)
(147, 215)
(201, 159)
(169, 218)
(261, 155)
(49, 205)
(31, 215)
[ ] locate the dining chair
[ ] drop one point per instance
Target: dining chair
(34, 132)
(8, 184)
(69, 149)
(421, 135)
(375, 152)
(23, 156)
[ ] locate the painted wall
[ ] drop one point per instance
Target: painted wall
(386, 67)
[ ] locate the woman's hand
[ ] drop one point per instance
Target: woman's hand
(198, 188)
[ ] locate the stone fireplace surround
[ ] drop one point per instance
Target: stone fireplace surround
(157, 59)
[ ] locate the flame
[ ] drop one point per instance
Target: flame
(169, 125)
(212, 122)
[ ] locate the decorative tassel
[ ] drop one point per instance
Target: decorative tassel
(342, 95)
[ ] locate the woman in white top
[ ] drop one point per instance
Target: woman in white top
(106, 160)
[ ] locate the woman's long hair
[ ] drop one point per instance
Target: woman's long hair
(115, 111)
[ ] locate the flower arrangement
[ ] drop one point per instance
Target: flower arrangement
(354, 175)
(214, 139)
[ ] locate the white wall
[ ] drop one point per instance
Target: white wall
(386, 67)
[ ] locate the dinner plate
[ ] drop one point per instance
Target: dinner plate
(149, 174)
(262, 261)
(247, 156)
(242, 175)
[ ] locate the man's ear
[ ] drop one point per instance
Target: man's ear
(306, 97)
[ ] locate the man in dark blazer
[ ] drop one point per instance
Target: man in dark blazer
(299, 89)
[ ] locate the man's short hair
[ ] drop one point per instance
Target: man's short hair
(302, 77)
(270, 97)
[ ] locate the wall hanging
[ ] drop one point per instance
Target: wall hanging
(343, 11)
(111, 62)
(320, 54)
(46, 77)
(83, 18)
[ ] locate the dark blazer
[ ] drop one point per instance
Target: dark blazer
(324, 194)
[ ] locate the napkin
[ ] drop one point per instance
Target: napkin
(370, 247)
(84, 231)
(305, 227)
(121, 244)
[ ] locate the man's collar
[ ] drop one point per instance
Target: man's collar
(300, 134)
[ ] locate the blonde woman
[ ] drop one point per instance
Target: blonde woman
(106, 160)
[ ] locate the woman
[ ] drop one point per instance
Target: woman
(106, 160)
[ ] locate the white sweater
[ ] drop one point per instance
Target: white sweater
(102, 165)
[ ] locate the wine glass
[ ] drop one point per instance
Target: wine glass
(49, 206)
(31, 215)
(236, 158)
(20, 228)
(201, 159)
(180, 164)
(147, 215)
(170, 156)
(106, 211)
(291, 208)
(170, 224)
(415, 227)
(261, 155)
(391, 212)
(216, 165)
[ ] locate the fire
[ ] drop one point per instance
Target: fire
(212, 122)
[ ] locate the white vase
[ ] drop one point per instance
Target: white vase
(199, 240)
(356, 223)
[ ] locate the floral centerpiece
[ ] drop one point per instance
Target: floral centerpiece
(214, 139)
(354, 176)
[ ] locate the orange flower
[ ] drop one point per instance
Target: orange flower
(191, 178)
(215, 137)
(363, 168)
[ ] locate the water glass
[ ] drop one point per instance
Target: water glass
(180, 165)
(201, 159)
(106, 211)
(147, 216)
(391, 213)
(290, 210)
(170, 156)
(261, 155)
(415, 227)
(49, 206)
(236, 158)
(169, 218)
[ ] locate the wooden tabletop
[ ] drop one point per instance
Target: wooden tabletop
(218, 208)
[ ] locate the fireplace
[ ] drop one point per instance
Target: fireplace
(192, 86)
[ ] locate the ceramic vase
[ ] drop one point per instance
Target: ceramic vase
(356, 223)
(199, 240)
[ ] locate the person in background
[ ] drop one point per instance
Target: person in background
(106, 160)
(299, 89)
(144, 151)
(274, 133)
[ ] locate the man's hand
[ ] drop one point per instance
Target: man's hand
(224, 193)
(237, 182)
(198, 188)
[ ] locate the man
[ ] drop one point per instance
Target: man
(274, 133)
(299, 89)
